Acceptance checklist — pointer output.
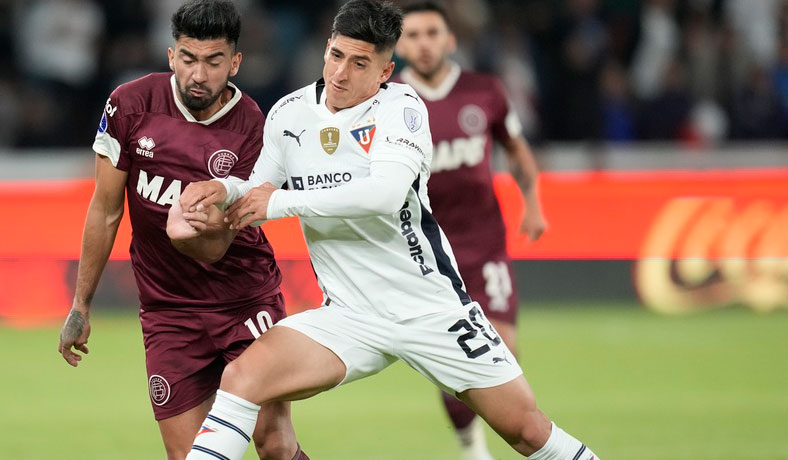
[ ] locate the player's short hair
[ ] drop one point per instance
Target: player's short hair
(427, 6)
(372, 21)
(207, 20)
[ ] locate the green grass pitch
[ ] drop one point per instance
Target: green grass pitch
(631, 384)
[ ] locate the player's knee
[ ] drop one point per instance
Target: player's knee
(534, 431)
(236, 379)
(176, 453)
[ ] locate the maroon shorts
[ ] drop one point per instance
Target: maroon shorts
(492, 285)
(186, 350)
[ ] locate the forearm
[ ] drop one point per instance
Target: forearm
(205, 248)
(98, 236)
(525, 172)
(383, 192)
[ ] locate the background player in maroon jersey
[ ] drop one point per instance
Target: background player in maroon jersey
(468, 113)
(157, 134)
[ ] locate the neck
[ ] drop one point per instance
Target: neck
(435, 79)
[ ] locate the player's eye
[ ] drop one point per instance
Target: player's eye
(361, 65)
(188, 61)
(213, 64)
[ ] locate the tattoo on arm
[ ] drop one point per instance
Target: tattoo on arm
(75, 324)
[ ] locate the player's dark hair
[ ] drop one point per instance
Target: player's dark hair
(372, 21)
(426, 6)
(207, 20)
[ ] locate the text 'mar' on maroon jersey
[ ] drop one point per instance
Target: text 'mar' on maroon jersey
(468, 112)
(148, 133)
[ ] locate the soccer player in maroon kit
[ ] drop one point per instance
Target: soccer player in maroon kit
(469, 111)
(203, 303)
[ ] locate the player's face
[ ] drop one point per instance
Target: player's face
(353, 71)
(202, 69)
(426, 41)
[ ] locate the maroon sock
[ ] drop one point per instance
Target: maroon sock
(300, 454)
(461, 415)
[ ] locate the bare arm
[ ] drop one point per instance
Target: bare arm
(98, 236)
(526, 173)
(201, 235)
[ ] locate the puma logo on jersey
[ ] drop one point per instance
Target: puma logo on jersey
(459, 152)
(497, 359)
(288, 133)
(150, 189)
(414, 250)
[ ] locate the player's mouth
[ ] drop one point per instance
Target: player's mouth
(197, 92)
(337, 87)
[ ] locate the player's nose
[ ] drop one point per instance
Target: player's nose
(200, 74)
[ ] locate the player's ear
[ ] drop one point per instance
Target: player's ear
(452, 45)
(387, 71)
(235, 63)
(328, 46)
(171, 58)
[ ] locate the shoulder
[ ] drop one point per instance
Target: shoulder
(140, 95)
(479, 81)
(290, 103)
(248, 109)
(394, 95)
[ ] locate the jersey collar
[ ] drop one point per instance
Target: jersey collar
(189, 117)
(433, 94)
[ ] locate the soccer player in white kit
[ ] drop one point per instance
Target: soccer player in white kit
(354, 152)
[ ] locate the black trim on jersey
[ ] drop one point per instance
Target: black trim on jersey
(384, 86)
(432, 231)
(320, 85)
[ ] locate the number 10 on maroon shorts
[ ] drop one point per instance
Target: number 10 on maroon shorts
(186, 349)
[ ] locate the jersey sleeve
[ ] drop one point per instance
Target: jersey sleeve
(111, 137)
(268, 167)
(506, 123)
(402, 133)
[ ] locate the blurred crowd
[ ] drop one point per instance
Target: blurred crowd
(694, 71)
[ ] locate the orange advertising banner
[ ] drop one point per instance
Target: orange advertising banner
(591, 215)
(698, 239)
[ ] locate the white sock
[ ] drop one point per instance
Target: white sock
(473, 442)
(226, 432)
(562, 446)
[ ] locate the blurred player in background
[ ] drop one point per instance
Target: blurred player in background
(156, 135)
(355, 153)
(468, 113)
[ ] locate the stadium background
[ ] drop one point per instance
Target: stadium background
(660, 126)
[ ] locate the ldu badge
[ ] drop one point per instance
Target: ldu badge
(329, 139)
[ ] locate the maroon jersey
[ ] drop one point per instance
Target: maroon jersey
(147, 132)
(468, 112)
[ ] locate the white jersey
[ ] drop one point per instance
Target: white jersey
(397, 265)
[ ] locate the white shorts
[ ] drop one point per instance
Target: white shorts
(457, 350)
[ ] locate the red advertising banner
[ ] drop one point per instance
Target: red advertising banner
(700, 239)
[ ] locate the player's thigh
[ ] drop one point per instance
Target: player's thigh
(457, 350)
(177, 432)
(510, 409)
(507, 331)
(234, 330)
(283, 364)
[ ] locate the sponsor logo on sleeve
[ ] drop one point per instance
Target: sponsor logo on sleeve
(413, 119)
(109, 109)
(221, 162)
(403, 142)
(364, 136)
(329, 139)
(102, 128)
(298, 182)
